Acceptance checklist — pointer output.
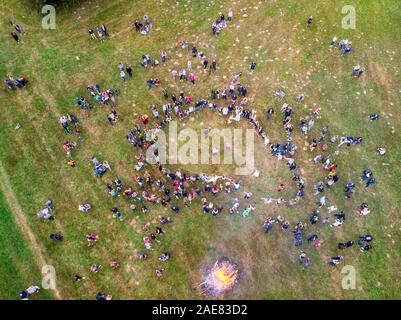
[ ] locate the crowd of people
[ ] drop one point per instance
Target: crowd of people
(154, 185)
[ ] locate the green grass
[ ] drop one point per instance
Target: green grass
(288, 57)
(17, 269)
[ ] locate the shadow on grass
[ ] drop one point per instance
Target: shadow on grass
(58, 4)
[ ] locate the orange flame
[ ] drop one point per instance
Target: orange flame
(225, 277)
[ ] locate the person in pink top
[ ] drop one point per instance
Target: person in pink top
(188, 100)
(67, 148)
(164, 56)
(192, 78)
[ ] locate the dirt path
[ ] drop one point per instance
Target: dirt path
(22, 223)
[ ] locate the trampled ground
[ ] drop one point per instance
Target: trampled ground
(289, 56)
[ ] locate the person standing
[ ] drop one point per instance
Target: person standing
(64, 123)
(310, 19)
(164, 56)
(205, 63)
(230, 14)
(104, 30)
(150, 84)
(17, 28)
(15, 37)
(192, 78)
(165, 93)
(129, 71)
(78, 278)
(92, 33)
(123, 76)
(99, 33)
(214, 65)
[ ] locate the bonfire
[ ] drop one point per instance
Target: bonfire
(220, 278)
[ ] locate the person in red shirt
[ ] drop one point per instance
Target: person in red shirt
(144, 119)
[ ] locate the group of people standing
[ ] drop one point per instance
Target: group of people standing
(17, 31)
(101, 32)
(143, 28)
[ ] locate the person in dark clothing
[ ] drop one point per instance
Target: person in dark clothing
(78, 278)
(312, 238)
(365, 238)
(100, 296)
(366, 248)
(194, 52)
(56, 237)
(335, 260)
(213, 66)
(314, 217)
(91, 33)
(374, 117)
(175, 209)
(129, 71)
(309, 22)
(138, 26)
(24, 295)
(15, 36)
(345, 245)
(9, 84)
(17, 28)
(104, 30)
(154, 238)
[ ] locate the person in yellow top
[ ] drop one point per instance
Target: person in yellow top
(71, 163)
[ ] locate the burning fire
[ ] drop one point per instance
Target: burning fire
(221, 277)
(225, 277)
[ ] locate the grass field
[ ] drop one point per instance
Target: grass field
(289, 56)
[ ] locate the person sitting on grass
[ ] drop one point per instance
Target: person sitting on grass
(26, 294)
(358, 71)
(84, 207)
(164, 257)
(381, 151)
(56, 237)
(117, 214)
(335, 260)
(91, 238)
